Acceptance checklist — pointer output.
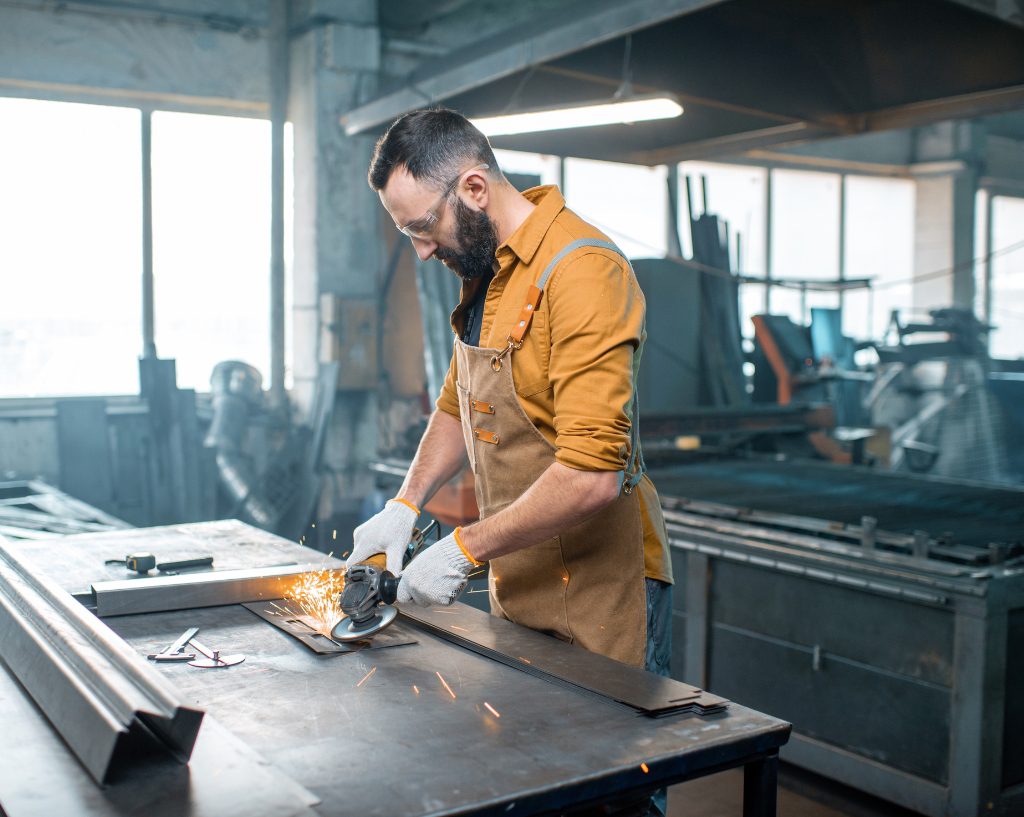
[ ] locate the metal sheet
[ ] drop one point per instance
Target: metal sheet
(224, 777)
(288, 618)
(546, 657)
(158, 594)
(96, 691)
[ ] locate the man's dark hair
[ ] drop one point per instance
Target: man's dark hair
(434, 145)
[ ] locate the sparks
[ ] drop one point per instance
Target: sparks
(317, 595)
(492, 710)
(525, 660)
(643, 766)
(334, 534)
(366, 676)
(456, 627)
(415, 689)
(438, 674)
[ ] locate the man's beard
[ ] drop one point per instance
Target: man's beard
(477, 239)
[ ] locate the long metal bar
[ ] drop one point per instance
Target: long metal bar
(542, 656)
(148, 316)
(713, 514)
(153, 594)
(578, 26)
(279, 59)
(95, 690)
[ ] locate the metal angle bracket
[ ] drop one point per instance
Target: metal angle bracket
(99, 695)
(158, 594)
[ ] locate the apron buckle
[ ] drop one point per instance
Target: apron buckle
(512, 345)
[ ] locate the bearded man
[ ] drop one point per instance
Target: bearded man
(539, 401)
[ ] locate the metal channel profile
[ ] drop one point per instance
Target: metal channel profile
(97, 692)
(157, 594)
(555, 661)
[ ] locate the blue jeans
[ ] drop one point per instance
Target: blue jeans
(659, 627)
(658, 657)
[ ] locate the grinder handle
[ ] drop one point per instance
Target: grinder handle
(419, 537)
(378, 560)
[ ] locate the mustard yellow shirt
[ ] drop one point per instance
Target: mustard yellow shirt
(574, 374)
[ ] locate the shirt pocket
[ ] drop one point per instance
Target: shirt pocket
(531, 361)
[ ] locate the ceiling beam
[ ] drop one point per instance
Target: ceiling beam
(905, 116)
(964, 106)
(731, 144)
(581, 25)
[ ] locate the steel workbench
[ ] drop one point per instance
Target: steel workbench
(372, 733)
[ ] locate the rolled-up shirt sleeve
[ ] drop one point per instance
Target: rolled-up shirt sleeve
(596, 318)
(448, 400)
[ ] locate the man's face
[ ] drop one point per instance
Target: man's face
(463, 237)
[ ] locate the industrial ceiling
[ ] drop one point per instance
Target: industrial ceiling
(750, 74)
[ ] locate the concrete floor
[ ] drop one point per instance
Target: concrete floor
(801, 794)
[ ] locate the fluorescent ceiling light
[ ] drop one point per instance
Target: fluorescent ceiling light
(612, 112)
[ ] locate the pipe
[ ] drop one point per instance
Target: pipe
(148, 316)
(279, 57)
(237, 388)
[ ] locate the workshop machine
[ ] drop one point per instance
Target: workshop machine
(882, 614)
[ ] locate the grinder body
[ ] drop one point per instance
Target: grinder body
(370, 592)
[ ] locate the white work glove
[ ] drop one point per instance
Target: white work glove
(387, 532)
(437, 575)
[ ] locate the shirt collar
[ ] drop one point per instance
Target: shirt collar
(525, 240)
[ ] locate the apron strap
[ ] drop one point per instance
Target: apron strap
(635, 468)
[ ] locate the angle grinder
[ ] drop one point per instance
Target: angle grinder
(370, 592)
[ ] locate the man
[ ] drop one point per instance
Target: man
(539, 400)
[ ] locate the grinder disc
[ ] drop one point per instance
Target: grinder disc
(348, 630)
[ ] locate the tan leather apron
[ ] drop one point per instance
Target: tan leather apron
(585, 586)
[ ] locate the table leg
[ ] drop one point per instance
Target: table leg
(760, 786)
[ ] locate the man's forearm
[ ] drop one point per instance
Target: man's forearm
(560, 498)
(440, 456)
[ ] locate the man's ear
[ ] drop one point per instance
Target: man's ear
(478, 187)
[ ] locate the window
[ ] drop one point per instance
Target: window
(211, 242)
(879, 244)
(532, 164)
(736, 194)
(71, 257)
(628, 202)
(805, 238)
(1007, 281)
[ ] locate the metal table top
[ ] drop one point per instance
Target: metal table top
(381, 748)
(377, 733)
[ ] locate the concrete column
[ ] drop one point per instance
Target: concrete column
(946, 165)
(335, 63)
